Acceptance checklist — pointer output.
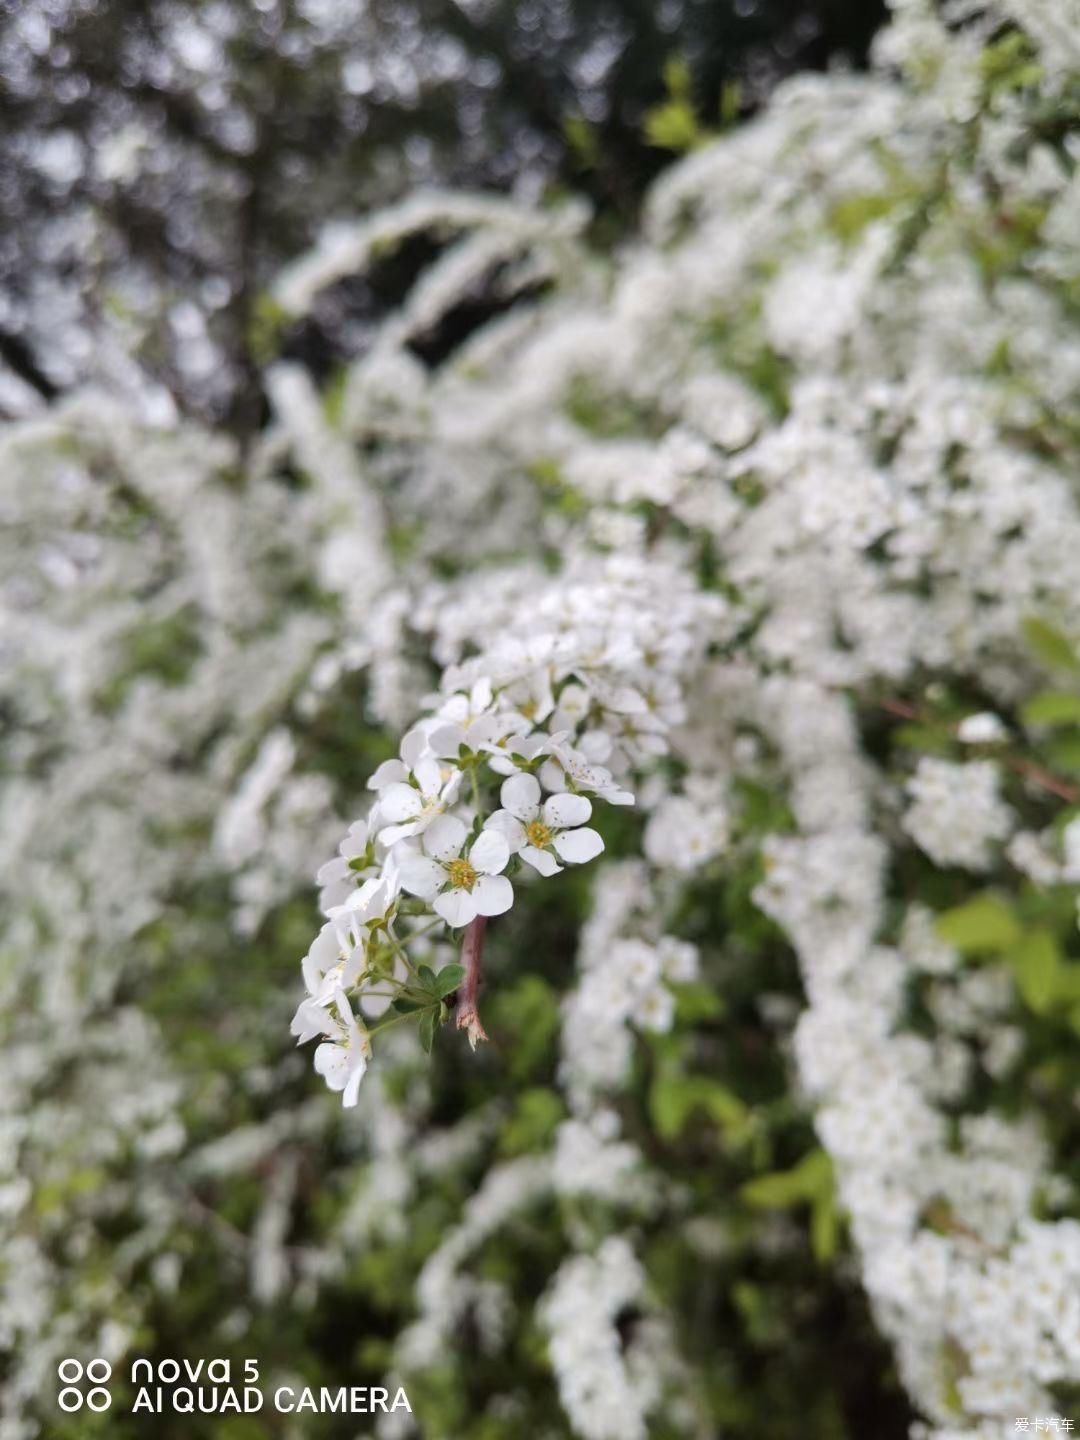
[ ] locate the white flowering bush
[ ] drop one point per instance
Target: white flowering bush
(676, 692)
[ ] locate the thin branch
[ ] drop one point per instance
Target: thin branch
(1045, 779)
(472, 951)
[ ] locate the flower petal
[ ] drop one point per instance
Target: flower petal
(444, 837)
(447, 740)
(480, 696)
(562, 812)
(354, 964)
(428, 773)
(490, 852)
(521, 796)
(541, 860)
(391, 834)
(413, 745)
(421, 876)
(344, 1009)
(311, 1020)
(455, 710)
(390, 772)
(553, 775)
(452, 787)
(457, 907)
(333, 870)
(332, 1063)
(400, 802)
(578, 846)
(352, 1088)
(492, 895)
(374, 1005)
(324, 949)
(509, 826)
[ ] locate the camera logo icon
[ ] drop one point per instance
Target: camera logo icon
(71, 1397)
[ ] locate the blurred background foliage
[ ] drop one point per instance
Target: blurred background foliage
(160, 161)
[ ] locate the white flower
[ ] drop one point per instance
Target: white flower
(981, 729)
(639, 964)
(333, 962)
(473, 722)
(487, 733)
(573, 706)
(518, 752)
(459, 886)
(311, 1019)
(462, 709)
(685, 831)
(338, 877)
(1070, 845)
(532, 696)
(566, 766)
(414, 746)
(342, 1062)
(655, 1010)
(640, 737)
(369, 905)
(678, 959)
(957, 815)
(408, 808)
(337, 955)
(534, 831)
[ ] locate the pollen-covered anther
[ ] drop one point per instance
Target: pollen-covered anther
(462, 874)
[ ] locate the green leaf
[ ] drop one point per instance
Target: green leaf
(448, 979)
(824, 1227)
(1062, 751)
(1052, 707)
(1049, 644)
(405, 1006)
(583, 141)
(983, 923)
(428, 978)
(429, 1022)
(849, 217)
(808, 1181)
(927, 739)
(695, 1001)
(533, 1122)
(1067, 983)
(1036, 963)
(674, 1098)
(761, 1317)
(526, 1015)
(673, 125)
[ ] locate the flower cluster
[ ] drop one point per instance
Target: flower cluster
(499, 777)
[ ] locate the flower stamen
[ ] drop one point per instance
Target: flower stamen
(462, 874)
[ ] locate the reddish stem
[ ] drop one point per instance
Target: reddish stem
(1046, 779)
(472, 950)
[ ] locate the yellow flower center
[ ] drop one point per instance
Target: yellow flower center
(462, 875)
(538, 834)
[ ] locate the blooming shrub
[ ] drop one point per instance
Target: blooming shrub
(688, 664)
